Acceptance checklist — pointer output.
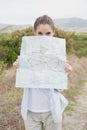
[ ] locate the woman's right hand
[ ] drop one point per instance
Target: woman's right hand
(16, 64)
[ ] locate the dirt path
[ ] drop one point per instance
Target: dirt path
(10, 117)
(77, 119)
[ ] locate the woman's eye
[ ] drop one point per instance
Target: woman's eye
(40, 33)
(48, 33)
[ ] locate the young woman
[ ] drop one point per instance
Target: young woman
(43, 107)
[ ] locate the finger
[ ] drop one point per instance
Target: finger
(68, 69)
(68, 72)
(15, 65)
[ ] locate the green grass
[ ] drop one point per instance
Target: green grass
(80, 45)
(69, 108)
(72, 92)
(12, 95)
(81, 82)
(2, 68)
(8, 109)
(81, 52)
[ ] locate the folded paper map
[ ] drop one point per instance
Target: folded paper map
(42, 63)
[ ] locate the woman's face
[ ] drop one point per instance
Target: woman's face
(44, 29)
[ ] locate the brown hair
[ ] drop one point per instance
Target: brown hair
(44, 20)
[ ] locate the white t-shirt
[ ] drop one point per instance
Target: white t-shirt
(39, 100)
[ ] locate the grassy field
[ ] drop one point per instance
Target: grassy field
(10, 97)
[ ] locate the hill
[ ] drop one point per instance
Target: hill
(66, 24)
(7, 28)
(72, 24)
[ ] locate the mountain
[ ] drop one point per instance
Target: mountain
(72, 24)
(66, 24)
(6, 28)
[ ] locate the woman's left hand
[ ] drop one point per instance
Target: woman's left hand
(68, 68)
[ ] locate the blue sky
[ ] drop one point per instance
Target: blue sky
(26, 11)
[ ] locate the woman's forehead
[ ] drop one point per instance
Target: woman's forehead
(44, 27)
